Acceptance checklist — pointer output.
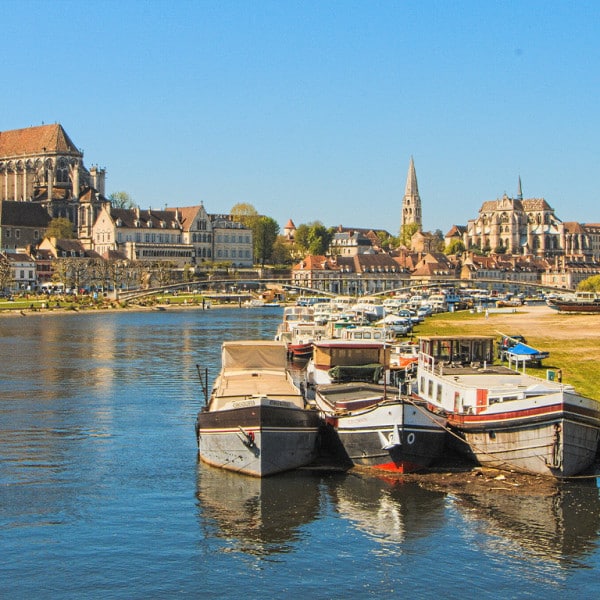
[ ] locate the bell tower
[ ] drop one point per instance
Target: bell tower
(411, 203)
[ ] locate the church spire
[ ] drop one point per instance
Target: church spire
(520, 190)
(411, 203)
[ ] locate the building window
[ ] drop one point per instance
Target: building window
(18, 233)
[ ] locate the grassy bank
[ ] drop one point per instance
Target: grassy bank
(573, 341)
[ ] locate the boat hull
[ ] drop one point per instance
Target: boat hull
(558, 444)
(258, 440)
(393, 436)
(575, 307)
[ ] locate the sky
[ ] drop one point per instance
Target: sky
(311, 110)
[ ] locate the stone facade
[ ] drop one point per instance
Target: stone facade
(42, 165)
(22, 224)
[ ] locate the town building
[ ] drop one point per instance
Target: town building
(350, 243)
(23, 276)
(186, 237)
(22, 224)
(232, 241)
(350, 275)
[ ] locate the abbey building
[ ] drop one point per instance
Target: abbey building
(42, 165)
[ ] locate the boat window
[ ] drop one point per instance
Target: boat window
(438, 393)
(422, 385)
(430, 389)
(445, 352)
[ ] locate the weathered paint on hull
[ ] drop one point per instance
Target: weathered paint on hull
(258, 440)
(558, 448)
(364, 436)
(418, 450)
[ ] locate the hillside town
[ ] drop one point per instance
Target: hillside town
(44, 181)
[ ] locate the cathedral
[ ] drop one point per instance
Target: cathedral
(526, 227)
(41, 164)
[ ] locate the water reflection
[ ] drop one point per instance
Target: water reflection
(561, 526)
(387, 510)
(257, 516)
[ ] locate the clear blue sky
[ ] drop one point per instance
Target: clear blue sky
(311, 110)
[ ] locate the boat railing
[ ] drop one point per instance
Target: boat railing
(427, 362)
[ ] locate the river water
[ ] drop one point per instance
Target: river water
(102, 495)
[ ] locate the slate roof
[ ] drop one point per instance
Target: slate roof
(23, 214)
(43, 139)
(129, 217)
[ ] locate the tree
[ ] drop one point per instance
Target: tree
(455, 246)
(163, 272)
(264, 235)
(319, 239)
(591, 284)
(440, 243)
(281, 254)
(244, 213)
(406, 233)
(60, 228)
(5, 272)
(122, 200)
(301, 237)
(313, 238)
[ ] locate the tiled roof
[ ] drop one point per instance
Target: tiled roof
(187, 214)
(573, 227)
(23, 214)
(535, 204)
(456, 230)
(43, 139)
(18, 257)
(493, 205)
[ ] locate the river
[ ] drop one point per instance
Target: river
(102, 494)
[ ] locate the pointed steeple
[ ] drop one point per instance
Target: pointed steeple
(520, 190)
(412, 189)
(411, 203)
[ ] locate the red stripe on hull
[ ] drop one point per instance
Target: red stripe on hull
(555, 409)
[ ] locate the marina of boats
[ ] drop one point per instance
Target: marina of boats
(392, 404)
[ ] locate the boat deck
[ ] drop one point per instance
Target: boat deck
(473, 369)
(244, 384)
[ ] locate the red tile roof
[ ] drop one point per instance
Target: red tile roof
(43, 139)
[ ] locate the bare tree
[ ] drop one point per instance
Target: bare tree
(5, 272)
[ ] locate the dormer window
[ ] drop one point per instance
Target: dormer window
(163, 224)
(149, 223)
(119, 222)
(137, 223)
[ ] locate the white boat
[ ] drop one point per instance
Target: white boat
(257, 420)
(300, 337)
(380, 429)
(507, 419)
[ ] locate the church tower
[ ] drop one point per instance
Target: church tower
(411, 203)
